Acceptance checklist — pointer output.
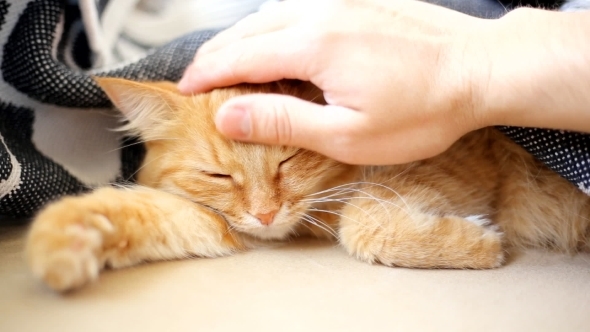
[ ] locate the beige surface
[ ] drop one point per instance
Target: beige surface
(303, 286)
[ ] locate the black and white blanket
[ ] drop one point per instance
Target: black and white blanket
(55, 123)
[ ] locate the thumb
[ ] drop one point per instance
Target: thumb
(284, 120)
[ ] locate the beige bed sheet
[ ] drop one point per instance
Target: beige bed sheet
(301, 286)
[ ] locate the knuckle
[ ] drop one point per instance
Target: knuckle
(274, 123)
(281, 122)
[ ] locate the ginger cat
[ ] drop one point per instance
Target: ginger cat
(203, 195)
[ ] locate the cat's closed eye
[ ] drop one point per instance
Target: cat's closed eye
(217, 175)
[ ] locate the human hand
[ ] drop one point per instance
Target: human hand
(402, 78)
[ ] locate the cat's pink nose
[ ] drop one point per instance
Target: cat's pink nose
(266, 218)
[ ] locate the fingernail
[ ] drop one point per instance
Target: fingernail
(234, 122)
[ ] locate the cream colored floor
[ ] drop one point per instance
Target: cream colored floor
(303, 286)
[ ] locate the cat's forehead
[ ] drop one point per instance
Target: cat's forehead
(209, 146)
(198, 125)
(234, 153)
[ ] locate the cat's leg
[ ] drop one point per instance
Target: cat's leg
(380, 226)
(71, 240)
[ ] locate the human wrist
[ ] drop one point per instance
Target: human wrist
(538, 66)
(464, 75)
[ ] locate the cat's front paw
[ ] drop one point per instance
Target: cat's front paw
(64, 244)
(431, 242)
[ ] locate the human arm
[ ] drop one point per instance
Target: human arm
(540, 75)
(404, 79)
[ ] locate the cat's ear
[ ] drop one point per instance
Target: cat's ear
(149, 107)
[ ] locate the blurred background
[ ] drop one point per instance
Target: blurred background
(119, 31)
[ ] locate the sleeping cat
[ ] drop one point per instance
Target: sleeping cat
(203, 195)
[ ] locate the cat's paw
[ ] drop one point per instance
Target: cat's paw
(64, 245)
(445, 242)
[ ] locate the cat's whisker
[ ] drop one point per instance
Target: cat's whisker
(355, 221)
(140, 142)
(322, 199)
(399, 174)
(332, 189)
(370, 196)
(146, 164)
(401, 198)
(337, 214)
(319, 223)
(336, 191)
(369, 215)
(357, 183)
(384, 201)
(366, 213)
(231, 227)
(381, 201)
(312, 218)
(124, 185)
(305, 225)
(124, 146)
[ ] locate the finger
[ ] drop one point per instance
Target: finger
(259, 59)
(272, 19)
(285, 120)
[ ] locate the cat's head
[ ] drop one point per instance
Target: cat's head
(260, 190)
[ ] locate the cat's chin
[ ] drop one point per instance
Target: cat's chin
(275, 232)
